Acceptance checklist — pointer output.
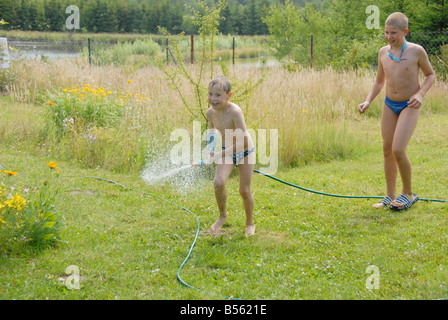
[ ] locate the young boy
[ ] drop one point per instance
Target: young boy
(398, 67)
(226, 118)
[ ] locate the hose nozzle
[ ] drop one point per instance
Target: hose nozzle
(200, 163)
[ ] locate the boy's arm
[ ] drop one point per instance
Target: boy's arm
(377, 85)
(430, 77)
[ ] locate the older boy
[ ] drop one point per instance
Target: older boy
(398, 67)
(238, 149)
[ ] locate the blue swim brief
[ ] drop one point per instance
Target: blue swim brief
(239, 155)
(396, 106)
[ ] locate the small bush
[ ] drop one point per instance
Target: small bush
(79, 107)
(7, 78)
(140, 52)
(440, 63)
(28, 219)
(96, 126)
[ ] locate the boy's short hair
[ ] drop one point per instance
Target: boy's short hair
(223, 82)
(399, 20)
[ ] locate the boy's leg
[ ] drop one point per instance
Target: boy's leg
(388, 124)
(407, 122)
(246, 170)
(222, 173)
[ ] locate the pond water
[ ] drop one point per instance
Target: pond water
(51, 50)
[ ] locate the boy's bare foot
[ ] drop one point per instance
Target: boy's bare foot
(379, 205)
(215, 229)
(383, 203)
(250, 230)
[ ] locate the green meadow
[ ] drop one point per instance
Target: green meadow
(82, 217)
(128, 239)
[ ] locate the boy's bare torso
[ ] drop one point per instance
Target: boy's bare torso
(223, 119)
(226, 122)
(402, 78)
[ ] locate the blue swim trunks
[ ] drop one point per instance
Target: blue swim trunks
(396, 106)
(240, 155)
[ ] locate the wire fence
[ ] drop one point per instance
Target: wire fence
(308, 51)
(355, 52)
(98, 52)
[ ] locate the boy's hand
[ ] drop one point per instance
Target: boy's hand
(416, 101)
(363, 107)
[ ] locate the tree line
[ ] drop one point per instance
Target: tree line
(241, 17)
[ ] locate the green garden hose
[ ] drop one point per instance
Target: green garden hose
(333, 195)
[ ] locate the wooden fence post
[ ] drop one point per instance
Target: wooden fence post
(311, 51)
(192, 49)
(90, 51)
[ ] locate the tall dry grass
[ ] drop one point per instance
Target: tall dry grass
(315, 112)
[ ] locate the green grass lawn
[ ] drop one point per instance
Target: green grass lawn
(129, 244)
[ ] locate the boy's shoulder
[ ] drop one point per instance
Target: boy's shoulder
(383, 51)
(234, 107)
(415, 46)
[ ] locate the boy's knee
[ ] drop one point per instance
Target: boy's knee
(245, 193)
(387, 151)
(399, 153)
(219, 183)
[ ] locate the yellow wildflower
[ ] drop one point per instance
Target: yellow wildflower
(53, 165)
(11, 173)
(50, 103)
(130, 81)
(16, 202)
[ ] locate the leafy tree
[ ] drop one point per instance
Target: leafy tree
(8, 13)
(134, 16)
(39, 21)
(123, 16)
(341, 18)
(54, 15)
(253, 25)
(291, 27)
(237, 12)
